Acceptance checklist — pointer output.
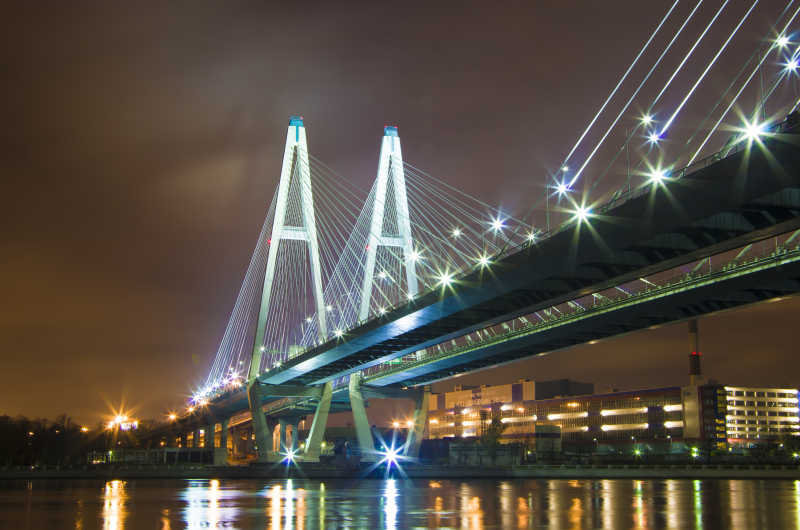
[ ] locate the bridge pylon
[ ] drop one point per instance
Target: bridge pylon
(390, 166)
(295, 166)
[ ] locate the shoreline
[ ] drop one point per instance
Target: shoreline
(312, 471)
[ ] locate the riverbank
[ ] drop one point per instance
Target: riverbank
(321, 471)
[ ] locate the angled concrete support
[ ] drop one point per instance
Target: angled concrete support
(363, 430)
(416, 433)
(317, 432)
(260, 428)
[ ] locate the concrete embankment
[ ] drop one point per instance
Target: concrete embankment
(317, 471)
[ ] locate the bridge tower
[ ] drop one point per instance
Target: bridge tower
(390, 166)
(295, 166)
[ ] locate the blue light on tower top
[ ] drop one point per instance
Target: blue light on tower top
(390, 130)
(296, 121)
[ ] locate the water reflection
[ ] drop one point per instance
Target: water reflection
(391, 504)
(114, 497)
(204, 506)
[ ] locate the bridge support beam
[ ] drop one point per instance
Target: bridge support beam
(317, 432)
(420, 418)
(363, 430)
(184, 440)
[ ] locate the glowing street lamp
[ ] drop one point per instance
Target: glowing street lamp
(562, 188)
(582, 213)
(497, 224)
(646, 119)
(456, 232)
(445, 279)
(782, 41)
(657, 176)
(483, 261)
(654, 137)
(791, 66)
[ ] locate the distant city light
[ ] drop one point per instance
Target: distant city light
(565, 168)
(328, 308)
(445, 279)
(382, 311)
(532, 236)
(172, 416)
(338, 333)
(382, 275)
(409, 423)
(396, 424)
(390, 456)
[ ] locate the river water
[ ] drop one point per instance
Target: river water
(375, 504)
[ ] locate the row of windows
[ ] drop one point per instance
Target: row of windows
(732, 403)
(750, 393)
(760, 422)
(760, 430)
(761, 413)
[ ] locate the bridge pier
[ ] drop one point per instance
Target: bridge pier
(184, 440)
(420, 418)
(363, 430)
(317, 432)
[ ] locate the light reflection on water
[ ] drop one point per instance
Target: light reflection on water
(394, 504)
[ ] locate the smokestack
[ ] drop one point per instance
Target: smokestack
(694, 353)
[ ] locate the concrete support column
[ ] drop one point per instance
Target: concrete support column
(208, 440)
(317, 431)
(196, 438)
(282, 435)
(184, 440)
(223, 437)
(415, 433)
(295, 434)
(363, 431)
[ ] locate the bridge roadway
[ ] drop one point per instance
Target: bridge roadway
(716, 205)
(733, 285)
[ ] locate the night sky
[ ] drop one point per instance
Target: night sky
(142, 143)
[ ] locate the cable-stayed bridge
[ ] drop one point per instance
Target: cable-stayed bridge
(347, 297)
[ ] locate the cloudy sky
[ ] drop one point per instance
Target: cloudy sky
(141, 146)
